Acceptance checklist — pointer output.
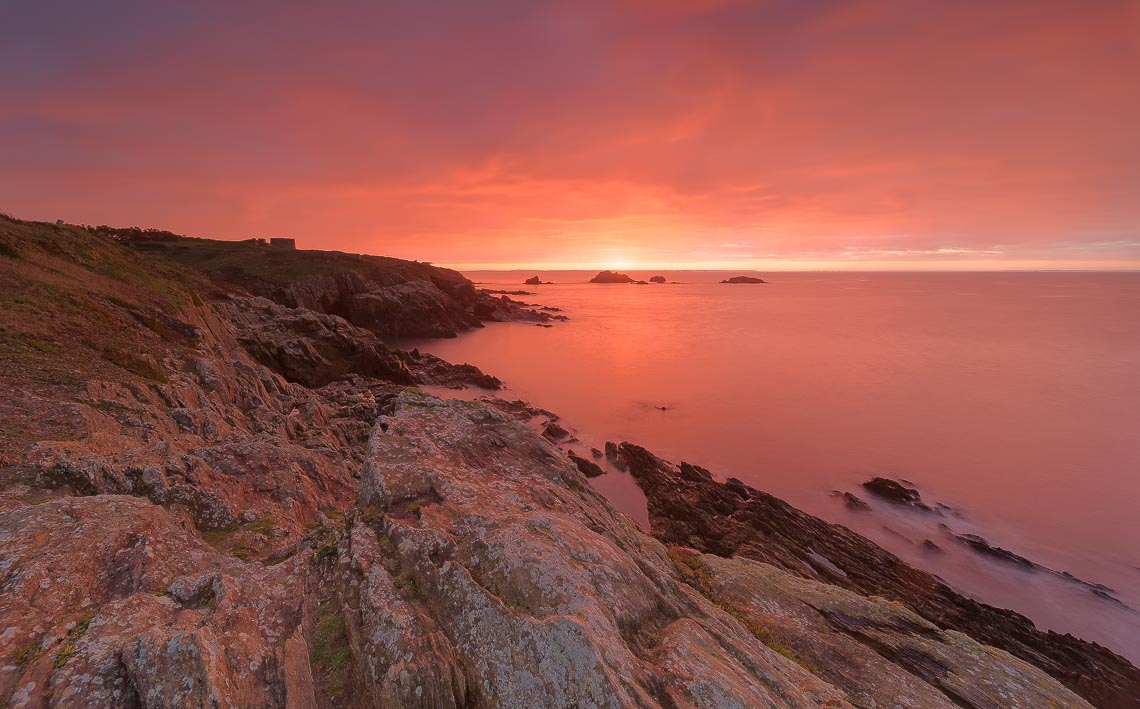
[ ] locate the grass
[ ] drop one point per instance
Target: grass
(373, 515)
(27, 653)
(34, 344)
(71, 302)
(330, 654)
(326, 548)
(223, 538)
(133, 364)
(71, 642)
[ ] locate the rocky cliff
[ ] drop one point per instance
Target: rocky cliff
(211, 498)
(391, 298)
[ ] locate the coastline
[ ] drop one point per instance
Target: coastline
(260, 499)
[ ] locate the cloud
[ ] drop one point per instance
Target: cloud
(504, 131)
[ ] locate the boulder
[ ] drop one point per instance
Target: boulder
(586, 466)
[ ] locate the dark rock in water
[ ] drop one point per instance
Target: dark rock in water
(744, 279)
(688, 507)
(536, 281)
(504, 309)
(596, 453)
(431, 370)
(929, 545)
(657, 279)
(980, 545)
(853, 501)
(508, 292)
(896, 493)
(555, 432)
(611, 277)
(613, 454)
(587, 467)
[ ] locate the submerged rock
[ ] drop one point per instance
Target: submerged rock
(897, 493)
(851, 501)
(555, 432)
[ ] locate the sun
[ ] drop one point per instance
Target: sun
(620, 263)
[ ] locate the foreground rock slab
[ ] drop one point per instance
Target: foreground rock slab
(525, 588)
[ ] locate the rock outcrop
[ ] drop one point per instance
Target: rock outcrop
(612, 277)
(392, 298)
(736, 280)
(429, 369)
(657, 279)
(687, 506)
(311, 348)
(585, 466)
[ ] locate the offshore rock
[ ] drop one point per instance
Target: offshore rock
(611, 277)
(736, 280)
(896, 493)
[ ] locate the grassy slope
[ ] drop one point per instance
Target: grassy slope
(281, 266)
(97, 308)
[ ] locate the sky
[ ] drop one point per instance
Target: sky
(589, 133)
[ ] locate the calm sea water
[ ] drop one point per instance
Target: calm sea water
(1014, 397)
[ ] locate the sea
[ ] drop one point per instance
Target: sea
(1010, 398)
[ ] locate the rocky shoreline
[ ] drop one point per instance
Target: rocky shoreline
(220, 487)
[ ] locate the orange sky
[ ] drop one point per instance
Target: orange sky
(590, 133)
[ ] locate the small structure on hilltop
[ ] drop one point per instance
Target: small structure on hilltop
(277, 242)
(258, 241)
